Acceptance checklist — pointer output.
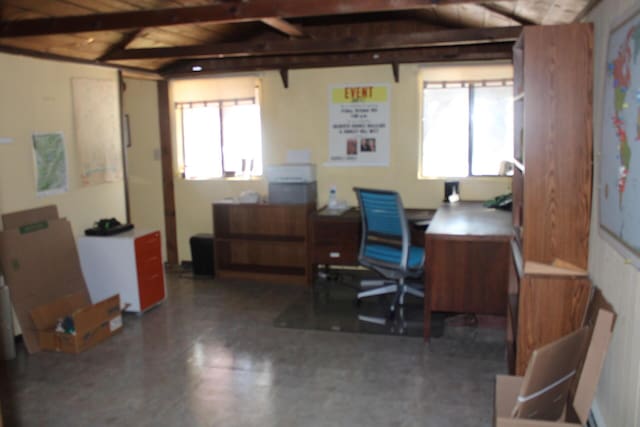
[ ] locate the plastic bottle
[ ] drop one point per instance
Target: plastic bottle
(332, 197)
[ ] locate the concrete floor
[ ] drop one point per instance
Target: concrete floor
(210, 356)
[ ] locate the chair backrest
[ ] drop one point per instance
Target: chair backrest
(383, 222)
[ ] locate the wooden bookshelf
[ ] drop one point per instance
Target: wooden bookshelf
(551, 186)
(265, 242)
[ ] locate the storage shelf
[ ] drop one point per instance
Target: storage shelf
(264, 242)
(544, 305)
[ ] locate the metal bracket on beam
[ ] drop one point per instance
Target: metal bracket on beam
(284, 75)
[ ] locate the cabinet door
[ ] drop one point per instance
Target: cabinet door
(334, 241)
(149, 266)
(549, 308)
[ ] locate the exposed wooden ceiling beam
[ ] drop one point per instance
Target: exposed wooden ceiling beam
(122, 44)
(485, 52)
(250, 10)
(587, 9)
(293, 47)
(500, 10)
(284, 27)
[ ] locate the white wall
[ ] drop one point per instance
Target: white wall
(35, 96)
(618, 396)
(298, 117)
(140, 103)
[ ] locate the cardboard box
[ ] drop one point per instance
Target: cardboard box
(40, 263)
(93, 323)
(581, 396)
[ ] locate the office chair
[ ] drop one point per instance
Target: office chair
(385, 247)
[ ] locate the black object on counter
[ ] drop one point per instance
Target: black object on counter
(107, 227)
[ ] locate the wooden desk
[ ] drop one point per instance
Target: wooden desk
(335, 239)
(467, 261)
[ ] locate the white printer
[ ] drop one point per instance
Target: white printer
(291, 172)
(292, 183)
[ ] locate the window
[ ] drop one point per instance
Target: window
(467, 128)
(220, 138)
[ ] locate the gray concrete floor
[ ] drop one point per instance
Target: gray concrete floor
(210, 356)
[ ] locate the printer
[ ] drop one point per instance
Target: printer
(292, 183)
(291, 172)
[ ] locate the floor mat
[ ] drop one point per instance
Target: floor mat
(331, 306)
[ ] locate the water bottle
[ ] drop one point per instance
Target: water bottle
(332, 197)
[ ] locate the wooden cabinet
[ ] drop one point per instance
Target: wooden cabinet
(335, 239)
(262, 241)
(549, 287)
(129, 264)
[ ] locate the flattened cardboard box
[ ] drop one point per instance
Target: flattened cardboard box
(93, 323)
(601, 318)
(39, 259)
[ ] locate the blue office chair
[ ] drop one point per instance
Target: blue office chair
(386, 248)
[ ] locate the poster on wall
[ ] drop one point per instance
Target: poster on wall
(97, 128)
(359, 125)
(50, 163)
(619, 192)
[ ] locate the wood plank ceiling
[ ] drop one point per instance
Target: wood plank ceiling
(167, 38)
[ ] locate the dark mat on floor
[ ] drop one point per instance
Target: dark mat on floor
(331, 306)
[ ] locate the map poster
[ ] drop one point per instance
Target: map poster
(619, 191)
(51, 163)
(359, 125)
(96, 115)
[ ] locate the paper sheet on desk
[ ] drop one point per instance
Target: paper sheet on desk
(333, 211)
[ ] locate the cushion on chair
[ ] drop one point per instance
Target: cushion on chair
(392, 255)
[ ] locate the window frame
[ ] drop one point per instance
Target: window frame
(470, 85)
(252, 100)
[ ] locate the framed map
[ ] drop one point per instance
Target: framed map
(51, 163)
(620, 151)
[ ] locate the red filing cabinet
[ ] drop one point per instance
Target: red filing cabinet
(129, 264)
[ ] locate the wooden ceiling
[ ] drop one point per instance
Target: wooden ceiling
(167, 38)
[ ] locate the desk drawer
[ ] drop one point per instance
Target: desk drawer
(337, 232)
(336, 253)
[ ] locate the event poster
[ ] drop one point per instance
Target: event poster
(359, 125)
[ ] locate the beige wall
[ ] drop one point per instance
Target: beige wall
(297, 118)
(618, 396)
(140, 103)
(36, 97)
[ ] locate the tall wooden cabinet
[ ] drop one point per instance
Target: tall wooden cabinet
(549, 287)
(262, 241)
